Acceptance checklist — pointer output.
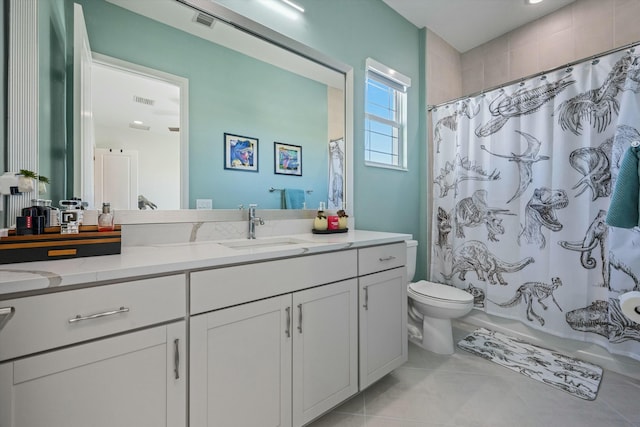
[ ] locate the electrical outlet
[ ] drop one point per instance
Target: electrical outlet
(204, 204)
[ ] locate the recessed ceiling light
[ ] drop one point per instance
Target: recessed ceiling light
(294, 5)
(139, 126)
(138, 122)
(532, 1)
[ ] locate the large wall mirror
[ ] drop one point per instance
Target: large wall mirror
(233, 77)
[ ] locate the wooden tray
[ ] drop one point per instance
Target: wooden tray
(52, 245)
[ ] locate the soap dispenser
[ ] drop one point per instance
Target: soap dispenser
(105, 219)
(320, 221)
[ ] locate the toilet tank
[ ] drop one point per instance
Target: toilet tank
(412, 252)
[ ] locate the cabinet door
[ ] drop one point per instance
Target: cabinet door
(325, 348)
(136, 379)
(383, 324)
(241, 365)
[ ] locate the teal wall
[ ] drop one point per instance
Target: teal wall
(53, 55)
(225, 95)
(52, 130)
(351, 31)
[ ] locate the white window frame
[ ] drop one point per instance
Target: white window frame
(400, 84)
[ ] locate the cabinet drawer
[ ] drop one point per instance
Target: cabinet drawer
(224, 287)
(379, 258)
(47, 321)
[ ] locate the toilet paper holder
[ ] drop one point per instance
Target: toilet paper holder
(630, 305)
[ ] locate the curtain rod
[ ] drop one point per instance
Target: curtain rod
(531, 76)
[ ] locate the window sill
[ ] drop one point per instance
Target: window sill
(386, 166)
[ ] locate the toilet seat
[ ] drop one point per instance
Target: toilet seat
(424, 290)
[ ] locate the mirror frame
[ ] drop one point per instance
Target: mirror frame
(22, 143)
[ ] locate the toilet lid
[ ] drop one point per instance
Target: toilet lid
(440, 291)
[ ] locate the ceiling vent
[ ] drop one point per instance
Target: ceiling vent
(142, 100)
(174, 129)
(204, 19)
(138, 126)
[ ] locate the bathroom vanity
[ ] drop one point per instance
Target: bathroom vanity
(269, 332)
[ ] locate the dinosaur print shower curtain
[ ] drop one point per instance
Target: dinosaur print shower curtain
(522, 178)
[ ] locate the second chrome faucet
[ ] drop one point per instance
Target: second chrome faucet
(253, 220)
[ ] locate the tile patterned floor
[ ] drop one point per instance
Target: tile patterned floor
(464, 390)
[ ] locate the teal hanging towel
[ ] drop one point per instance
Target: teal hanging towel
(624, 210)
(293, 198)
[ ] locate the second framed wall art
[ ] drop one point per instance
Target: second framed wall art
(288, 159)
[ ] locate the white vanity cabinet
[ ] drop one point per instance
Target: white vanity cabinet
(383, 311)
(279, 361)
(103, 356)
(265, 342)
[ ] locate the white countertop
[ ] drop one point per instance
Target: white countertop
(31, 278)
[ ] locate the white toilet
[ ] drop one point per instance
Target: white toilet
(431, 308)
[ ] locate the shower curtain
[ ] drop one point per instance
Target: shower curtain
(336, 174)
(522, 178)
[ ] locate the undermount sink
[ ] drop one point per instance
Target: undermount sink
(262, 243)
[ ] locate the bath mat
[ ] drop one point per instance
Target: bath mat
(579, 378)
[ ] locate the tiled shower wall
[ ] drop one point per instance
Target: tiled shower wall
(579, 30)
(444, 71)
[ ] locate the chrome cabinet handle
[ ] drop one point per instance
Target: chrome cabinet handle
(176, 358)
(288, 330)
(78, 318)
(366, 298)
(300, 318)
(388, 258)
(5, 315)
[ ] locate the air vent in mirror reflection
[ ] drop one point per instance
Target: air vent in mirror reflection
(204, 19)
(142, 100)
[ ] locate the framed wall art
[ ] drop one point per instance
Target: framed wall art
(240, 153)
(288, 159)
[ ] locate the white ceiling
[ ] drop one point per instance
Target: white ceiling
(113, 91)
(465, 24)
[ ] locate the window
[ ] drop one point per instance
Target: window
(385, 143)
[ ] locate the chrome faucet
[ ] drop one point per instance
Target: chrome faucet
(253, 220)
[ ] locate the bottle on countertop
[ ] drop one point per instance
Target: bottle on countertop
(54, 214)
(342, 219)
(320, 221)
(105, 219)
